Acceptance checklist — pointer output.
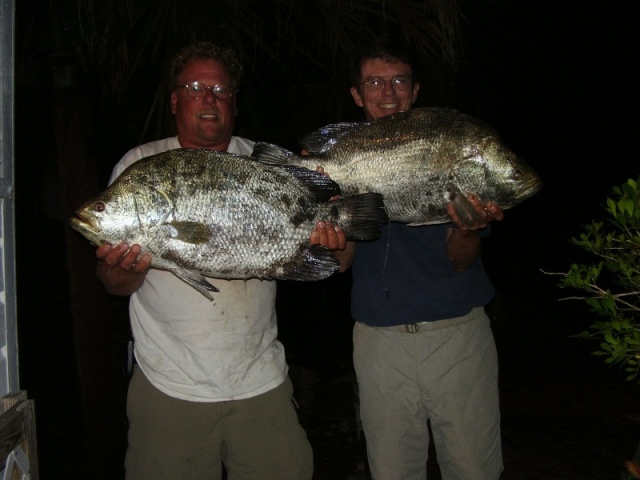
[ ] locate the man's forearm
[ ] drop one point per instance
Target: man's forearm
(463, 248)
(345, 257)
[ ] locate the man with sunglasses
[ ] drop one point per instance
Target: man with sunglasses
(423, 347)
(210, 385)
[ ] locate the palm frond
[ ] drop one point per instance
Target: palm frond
(289, 48)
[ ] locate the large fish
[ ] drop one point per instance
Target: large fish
(419, 160)
(203, 213)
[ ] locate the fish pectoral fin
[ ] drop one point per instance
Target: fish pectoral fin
(190, 232)
(465, 210)
(197, 281)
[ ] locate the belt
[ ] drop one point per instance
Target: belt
(433, 325)
(415, 327)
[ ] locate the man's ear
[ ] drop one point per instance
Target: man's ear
(416, 88)
(356, 96)
(174, 102)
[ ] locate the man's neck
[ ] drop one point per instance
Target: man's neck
(219, 147)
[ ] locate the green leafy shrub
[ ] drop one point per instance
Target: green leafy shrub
(612, 282)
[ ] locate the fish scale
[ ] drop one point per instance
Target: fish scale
(201, 213)
(420, 160)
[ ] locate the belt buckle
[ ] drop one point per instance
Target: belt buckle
(412, 327)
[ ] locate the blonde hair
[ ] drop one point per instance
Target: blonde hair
(205, 51)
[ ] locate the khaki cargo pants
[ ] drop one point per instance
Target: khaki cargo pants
(444, 372)
(256, 438)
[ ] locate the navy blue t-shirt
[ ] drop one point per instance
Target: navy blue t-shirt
(406, 277)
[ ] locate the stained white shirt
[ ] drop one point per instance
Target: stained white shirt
(192, 348)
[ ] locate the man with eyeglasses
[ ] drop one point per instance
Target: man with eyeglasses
(423, 347)
(210, 387)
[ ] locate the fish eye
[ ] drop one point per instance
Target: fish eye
(517, 175)
(100, 207)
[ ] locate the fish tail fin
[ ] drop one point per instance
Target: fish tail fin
(360, 216)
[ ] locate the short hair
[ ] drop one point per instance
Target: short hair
(200, 50)
(385, 48)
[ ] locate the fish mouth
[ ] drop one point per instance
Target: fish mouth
(88, 226)
(529, 188)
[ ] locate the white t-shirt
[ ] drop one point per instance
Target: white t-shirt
(195, 349)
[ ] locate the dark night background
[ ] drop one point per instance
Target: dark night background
(557, 79)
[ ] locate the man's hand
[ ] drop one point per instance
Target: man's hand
(477, 214)
(124, 257)
(332, 236)
(463, 239)
(328, 235)
(122, 269)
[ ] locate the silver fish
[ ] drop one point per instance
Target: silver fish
(201, 213)
(419, 160)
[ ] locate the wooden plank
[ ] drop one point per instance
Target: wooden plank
(11, 431)
(18, 430)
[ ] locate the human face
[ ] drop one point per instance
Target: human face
(388, 100)
(206, 122)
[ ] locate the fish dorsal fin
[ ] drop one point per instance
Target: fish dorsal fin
(326, 137)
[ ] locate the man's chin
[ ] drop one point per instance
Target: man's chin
(384, 110)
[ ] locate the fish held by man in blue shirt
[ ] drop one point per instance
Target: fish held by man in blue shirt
(420, 160)
(201, 213)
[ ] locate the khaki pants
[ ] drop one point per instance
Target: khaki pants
(445, 372)
(256, 438)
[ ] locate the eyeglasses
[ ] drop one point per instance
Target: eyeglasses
(400, 84)
(198, 90)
